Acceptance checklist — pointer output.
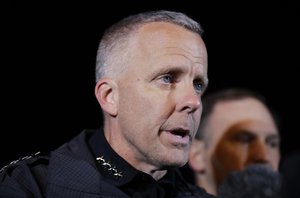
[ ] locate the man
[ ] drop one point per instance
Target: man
(237, 129)
(151, 72)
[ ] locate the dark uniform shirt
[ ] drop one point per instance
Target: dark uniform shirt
(88, 167)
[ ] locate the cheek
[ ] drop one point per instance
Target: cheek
(150, 99)
(131, 103)
(275, 158)
(197, 118)
(137, 106)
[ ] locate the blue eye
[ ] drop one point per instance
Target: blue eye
(198, 86)
(167, 78)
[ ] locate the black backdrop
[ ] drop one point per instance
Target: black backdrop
(49, 54)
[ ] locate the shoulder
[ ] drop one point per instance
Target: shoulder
(15, 163)
(23, 174)
(29, 161)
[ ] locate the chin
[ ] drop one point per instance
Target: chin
(174, 158)
(177, 162)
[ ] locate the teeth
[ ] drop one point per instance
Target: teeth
(179, 133)
(179, 136)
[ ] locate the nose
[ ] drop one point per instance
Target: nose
(259, 152)
(188, 99)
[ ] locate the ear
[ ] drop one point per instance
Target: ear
(197, 156)
(106, 91)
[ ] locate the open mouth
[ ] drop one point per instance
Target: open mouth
(179, 132)
(179, 137)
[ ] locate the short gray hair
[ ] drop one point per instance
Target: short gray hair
(117, 36)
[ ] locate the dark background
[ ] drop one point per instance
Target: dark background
(49, 52)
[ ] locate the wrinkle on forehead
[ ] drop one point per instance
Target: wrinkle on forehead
(167, 35)
(189, 54)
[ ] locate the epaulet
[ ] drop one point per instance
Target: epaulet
(15, 162)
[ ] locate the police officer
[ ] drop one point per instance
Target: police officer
(151, 72)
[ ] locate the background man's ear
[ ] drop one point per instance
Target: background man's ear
(106, 91)
(197, 156)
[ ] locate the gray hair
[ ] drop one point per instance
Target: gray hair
(115, 39)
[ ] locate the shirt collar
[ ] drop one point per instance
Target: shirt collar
(112, 166)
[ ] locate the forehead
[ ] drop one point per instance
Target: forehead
(162, 42)
(169, 36)
(248, 112)
(242, 109)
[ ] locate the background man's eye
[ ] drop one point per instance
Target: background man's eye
(243, 138)
(273, 143)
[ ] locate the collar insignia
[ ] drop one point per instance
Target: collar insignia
(109, 167)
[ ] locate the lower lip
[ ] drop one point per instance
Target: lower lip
(176, 139)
